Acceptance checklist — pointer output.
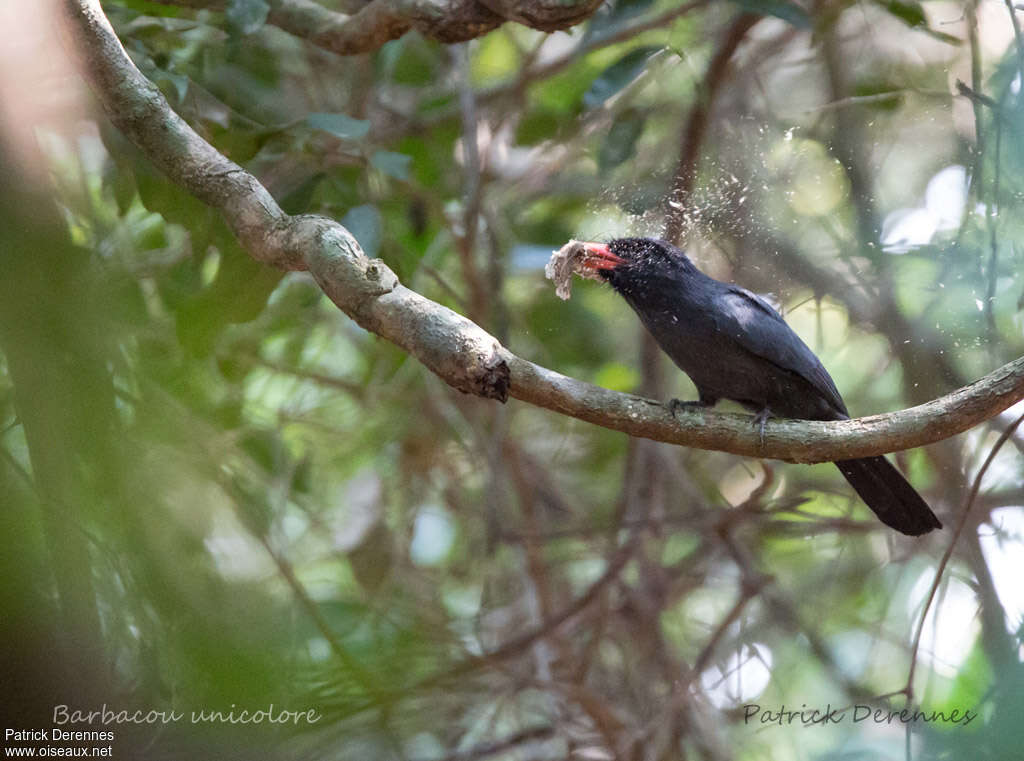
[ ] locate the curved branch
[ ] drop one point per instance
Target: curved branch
(380, 21)
(792, 440)
(456, 349)
(368, 27)
(375, 22)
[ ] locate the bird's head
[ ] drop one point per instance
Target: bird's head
(630, 262)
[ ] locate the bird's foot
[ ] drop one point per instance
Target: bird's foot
(760, 419)
(674, 405)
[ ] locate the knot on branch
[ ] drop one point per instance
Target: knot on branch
(334, 258)
(489, 376)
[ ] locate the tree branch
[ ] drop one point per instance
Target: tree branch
(379, 21)
(456, 349)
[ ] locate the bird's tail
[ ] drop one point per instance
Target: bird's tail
(889, 495)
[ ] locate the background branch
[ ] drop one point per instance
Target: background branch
(368, 27)
(678, 199)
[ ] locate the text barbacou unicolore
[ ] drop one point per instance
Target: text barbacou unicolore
(63, 714)
(807, 717)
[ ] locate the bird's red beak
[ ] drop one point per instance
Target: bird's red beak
(599, 257)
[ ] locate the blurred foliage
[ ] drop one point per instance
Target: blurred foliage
(224, 493)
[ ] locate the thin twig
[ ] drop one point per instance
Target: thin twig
(978, 98)
(993, 229)
(530, 75)
(447, 287)
(520, 644)
(1003, 438)
(1018, 39)
(534, 734)
(313, 611)
(622, 34)
(68, 512)
(357, 390)
(861, 100)
(978, 165)
(752, 583)
(692, 137)
(474, 186)
(848, 144)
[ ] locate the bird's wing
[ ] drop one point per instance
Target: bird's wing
(741, 316)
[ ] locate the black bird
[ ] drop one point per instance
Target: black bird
(734, 345)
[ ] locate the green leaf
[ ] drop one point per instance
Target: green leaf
(782, 9)
(618, 75)
(880, 87)
(246, 16)
(410, 60)
(496, 58)
(364, 224)
(910, 13)
(431, 153)
(339, 125)
(392, 164)
(620, 143)
(536, 126)
(180, 83)
(121, 183)
(973, 681)
(949, 39)
(613, 16)
(617, 377)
